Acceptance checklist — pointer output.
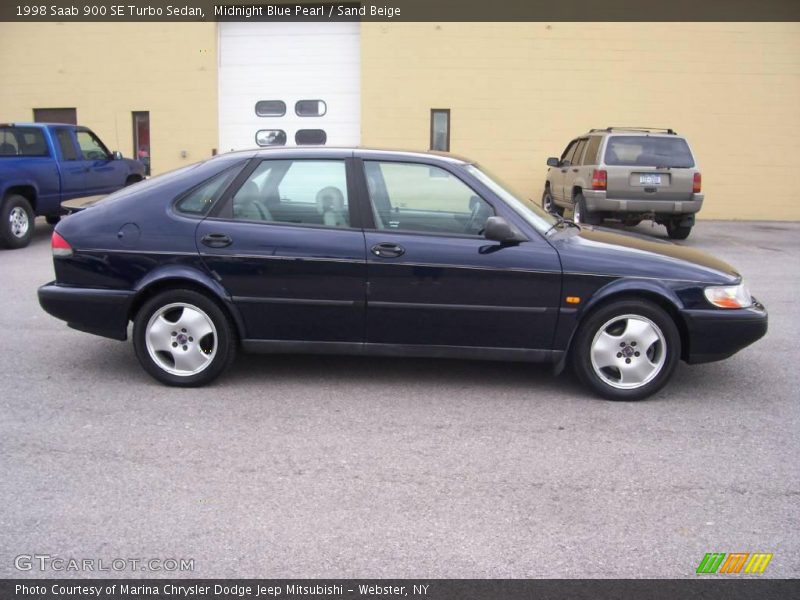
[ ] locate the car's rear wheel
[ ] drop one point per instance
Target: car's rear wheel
(580, 214)
(678, 232)
(183, 338)
(16, 221)
(549, 204)
(626, 350)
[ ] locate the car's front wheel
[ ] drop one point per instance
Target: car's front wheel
(183, 338)
(549, 204)
(626, 350)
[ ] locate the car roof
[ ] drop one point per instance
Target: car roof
(357, 151)
(41, 125)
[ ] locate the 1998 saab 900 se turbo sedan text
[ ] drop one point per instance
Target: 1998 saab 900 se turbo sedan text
(384, 253)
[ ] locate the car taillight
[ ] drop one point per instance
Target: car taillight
(697, 183)
(60, 246)
(599, 179)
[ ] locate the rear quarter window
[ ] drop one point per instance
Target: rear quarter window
(646, 151)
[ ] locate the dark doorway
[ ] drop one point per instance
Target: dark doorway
(55, 115)
(141, 138)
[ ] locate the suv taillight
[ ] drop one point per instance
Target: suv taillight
(697, 183)
(60, 246)
(599, 179)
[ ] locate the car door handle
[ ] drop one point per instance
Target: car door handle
(388, 250)
(216, 240)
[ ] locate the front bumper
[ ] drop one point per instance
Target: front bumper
(597, 201)
(716, 334)
(98, 311)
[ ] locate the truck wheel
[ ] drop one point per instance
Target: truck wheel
(53, 219)
(16, 222)
(678, 232)
(580, 214)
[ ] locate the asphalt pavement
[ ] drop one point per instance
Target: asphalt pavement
(309, 466)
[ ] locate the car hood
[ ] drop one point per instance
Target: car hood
(596, 250)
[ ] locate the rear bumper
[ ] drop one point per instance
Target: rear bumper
(718, 334)
(97, 311)
(597, 201)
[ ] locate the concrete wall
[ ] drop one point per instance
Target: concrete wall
(519, 92)
(108, 70)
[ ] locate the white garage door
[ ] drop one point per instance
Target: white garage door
(289, 84)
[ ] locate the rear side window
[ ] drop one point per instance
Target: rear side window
(646, 151)
(590, 158)
(199, 201)
(22, 141)
(299, 192)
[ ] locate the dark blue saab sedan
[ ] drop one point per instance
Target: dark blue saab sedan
(378, 253)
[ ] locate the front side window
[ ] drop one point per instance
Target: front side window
(424, 198)
(646, 151)
(91, 146)
(570, 150)
(576, 157)
(299, 192)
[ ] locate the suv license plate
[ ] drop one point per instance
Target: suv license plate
(650, 179)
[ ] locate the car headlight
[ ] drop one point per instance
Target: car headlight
(729, 296)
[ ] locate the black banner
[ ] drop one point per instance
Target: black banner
(733, 588)
(400, 10)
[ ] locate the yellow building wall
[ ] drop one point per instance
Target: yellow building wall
(108, 70)
(518, 92)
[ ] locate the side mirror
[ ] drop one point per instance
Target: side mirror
(116, 155)
(552, 161)
(499, 230)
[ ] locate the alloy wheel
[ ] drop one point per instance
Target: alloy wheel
(18, 222)
(181, 339)
(628, 351)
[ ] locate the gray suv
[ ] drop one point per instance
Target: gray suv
(629, 174)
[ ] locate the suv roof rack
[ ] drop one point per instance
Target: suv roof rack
(646, 129)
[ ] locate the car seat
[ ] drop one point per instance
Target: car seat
(330, 204)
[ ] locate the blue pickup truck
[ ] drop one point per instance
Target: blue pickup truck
(43, 164)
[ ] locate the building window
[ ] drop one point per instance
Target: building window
(310, 108)
(271, 137)
(55, 115)
(440, 129)
(270, 108)
(310, 137)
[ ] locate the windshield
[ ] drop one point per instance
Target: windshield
(534, 214)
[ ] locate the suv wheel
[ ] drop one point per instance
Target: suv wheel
(626, 350)
(676, 231)
(183, 338)
(549, 204)
(16, 222)
(581, 215)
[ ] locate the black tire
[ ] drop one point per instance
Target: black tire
(678, 232)
(220, 345)
(16, 222)
(580, 214)
(52, 219)
(657, 361)
(549, 205)
(132, 179)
